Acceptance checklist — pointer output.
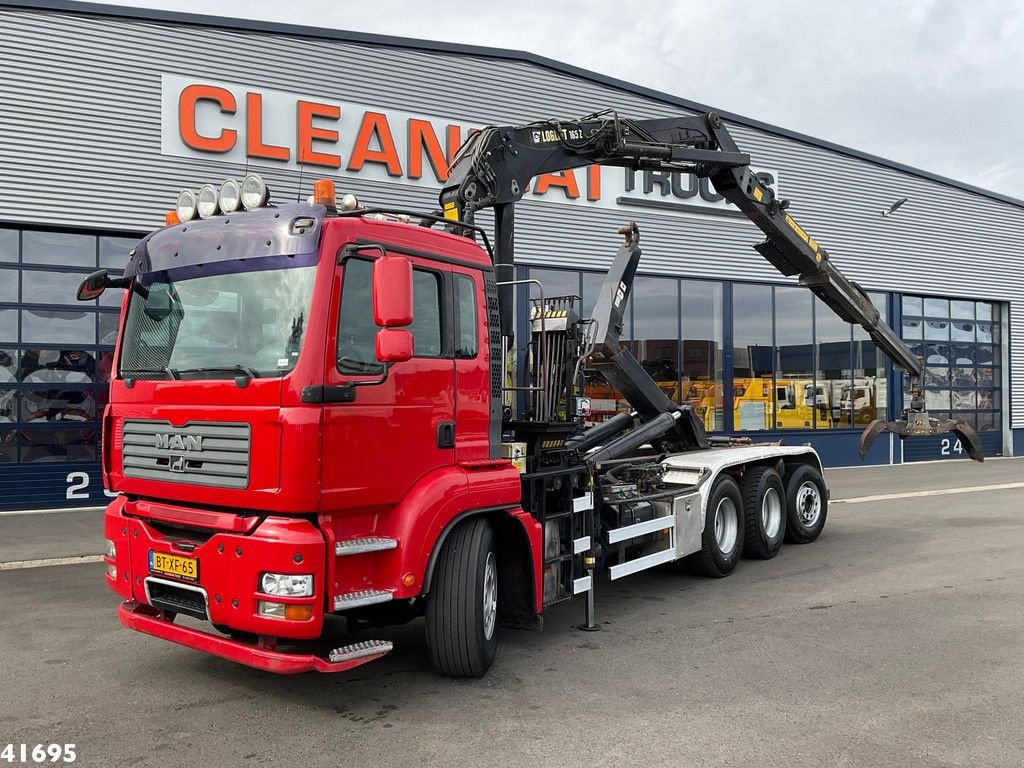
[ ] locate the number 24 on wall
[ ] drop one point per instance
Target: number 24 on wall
(948, 447)
(78, 487)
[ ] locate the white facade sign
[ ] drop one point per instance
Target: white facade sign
(254, 127)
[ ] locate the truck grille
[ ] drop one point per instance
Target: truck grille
(200, 453)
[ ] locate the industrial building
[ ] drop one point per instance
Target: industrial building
(107, 113)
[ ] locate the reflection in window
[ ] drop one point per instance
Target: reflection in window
(51, 287)
(8, 406)
(58, 445)
(114, 251)
(752, 356)
(465, 317)
(108, 328)
(69, 366)
(58, 248)
(8, 246)
(869, 393)
(43, 326)
(8, 325)
(9, 285)
(831, 399)
(58, 405)
(426, 324)
(795, 393)
(8, 447)
(703, 350)
(8, 365)
(961, 374)
(656, 331)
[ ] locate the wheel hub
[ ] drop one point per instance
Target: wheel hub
(808, 504)
(490, 596)
(726, 526)
(771, 513)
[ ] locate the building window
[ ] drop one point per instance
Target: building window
(959, 340)
(703, 350)
(54, 368)
(753, 350)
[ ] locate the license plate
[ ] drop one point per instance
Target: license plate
(173, 565)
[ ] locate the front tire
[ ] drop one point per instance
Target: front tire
(764, 505)
(462, 607)
(806, 505)
(722, 540)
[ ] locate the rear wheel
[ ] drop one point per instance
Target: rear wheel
(462, 607)
(764, 506)
(722, 540)
(806, 505)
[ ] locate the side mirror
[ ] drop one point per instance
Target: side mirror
(96, 283)
(392, 293)
(394, 345)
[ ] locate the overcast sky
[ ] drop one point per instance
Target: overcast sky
(931, 83)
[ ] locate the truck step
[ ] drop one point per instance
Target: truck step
(362, 597)
(360, 650)
(367, 544)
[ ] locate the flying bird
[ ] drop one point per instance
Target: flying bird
(895, 206)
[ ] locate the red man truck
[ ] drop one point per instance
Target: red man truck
(314, 411)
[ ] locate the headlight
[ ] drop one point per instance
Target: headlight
(207, 203)
(286, 584)
(254, 192)
(186, 205)
(230, 198)
(111, 551)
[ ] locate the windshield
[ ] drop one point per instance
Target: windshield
(189, 323)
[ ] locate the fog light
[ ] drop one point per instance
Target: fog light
(186, 205)
(207, 201)
(230, 198)
(111, 550)
(270, 610)
(287, 584)
(111, 570)
(254, 192)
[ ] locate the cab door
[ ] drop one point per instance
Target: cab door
(387, 427)
(472, 367)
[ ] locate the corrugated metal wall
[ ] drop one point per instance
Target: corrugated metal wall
(80, 115)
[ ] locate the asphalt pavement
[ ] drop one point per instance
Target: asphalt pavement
(897, 639)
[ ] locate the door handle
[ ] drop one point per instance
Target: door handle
(446, 434)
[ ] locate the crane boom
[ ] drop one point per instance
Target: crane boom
(494, 167)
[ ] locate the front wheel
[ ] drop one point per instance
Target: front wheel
(806, 505)
(462, 607)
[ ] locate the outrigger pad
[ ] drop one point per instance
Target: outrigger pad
(920, 425)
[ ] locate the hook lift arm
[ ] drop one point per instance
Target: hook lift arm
(495, 166)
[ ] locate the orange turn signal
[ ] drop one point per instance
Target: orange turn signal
(323, 193)
(171, 218)
(298, 612)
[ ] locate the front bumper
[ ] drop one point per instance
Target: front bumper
(145, 619)
(231, 554)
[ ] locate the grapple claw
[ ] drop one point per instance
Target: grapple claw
(919, 424)
(867, 437)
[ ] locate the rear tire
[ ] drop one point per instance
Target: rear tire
(722, 540)
(806, 505)
(764, 506)
(462, 607)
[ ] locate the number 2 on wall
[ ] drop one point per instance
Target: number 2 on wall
(949, 447)
(78, 487)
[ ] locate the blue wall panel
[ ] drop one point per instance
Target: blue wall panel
(42, 485)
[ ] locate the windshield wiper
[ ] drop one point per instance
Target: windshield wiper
(168, 372)
(249, 371)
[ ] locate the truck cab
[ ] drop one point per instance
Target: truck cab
(298, 401)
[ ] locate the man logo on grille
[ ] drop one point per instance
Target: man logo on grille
(178, 442)
(177, 464)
